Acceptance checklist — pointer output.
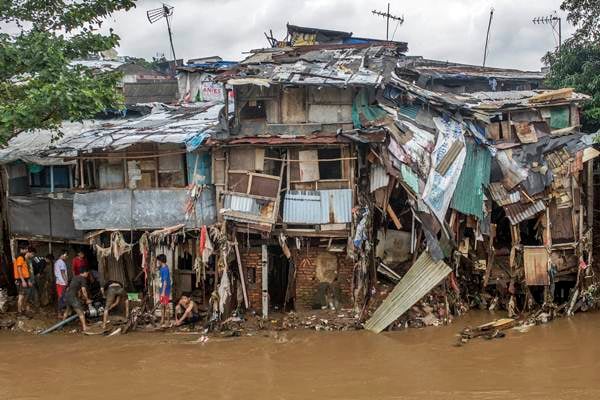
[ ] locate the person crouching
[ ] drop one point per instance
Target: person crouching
(186, 311)
(115, 293)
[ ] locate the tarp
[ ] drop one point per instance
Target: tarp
(42, 216)
(440, 187)
(142, 209)
(199, 167)
(468, 196)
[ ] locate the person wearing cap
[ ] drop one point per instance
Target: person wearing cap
(78, 284)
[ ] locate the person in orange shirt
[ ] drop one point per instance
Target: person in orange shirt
(23, 277)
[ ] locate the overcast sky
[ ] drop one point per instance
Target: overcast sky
(451, 30)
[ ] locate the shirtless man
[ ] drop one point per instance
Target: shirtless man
(186, 311)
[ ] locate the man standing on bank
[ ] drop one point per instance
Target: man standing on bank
(78, 284)
(23, 278)
(61, 278)
(165, 287)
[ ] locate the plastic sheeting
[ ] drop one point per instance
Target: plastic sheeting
(142, 209)
(42, 216)
(440, 188)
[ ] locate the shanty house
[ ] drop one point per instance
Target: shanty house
(286, 172)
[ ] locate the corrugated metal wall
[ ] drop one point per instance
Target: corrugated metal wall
(475, 175)
(423, 276)
(318, 206)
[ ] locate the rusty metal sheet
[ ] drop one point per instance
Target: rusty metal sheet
(501, 196)
(264, 186)
(535, 260)
(520, 212)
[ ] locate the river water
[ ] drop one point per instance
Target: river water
(560, 360)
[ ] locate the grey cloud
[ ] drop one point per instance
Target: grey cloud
(451, 30)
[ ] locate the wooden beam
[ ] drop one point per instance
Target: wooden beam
(394, 217)
(242, 275)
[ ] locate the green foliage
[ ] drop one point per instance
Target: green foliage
(39, 88)
(585, 15)
(577, 64)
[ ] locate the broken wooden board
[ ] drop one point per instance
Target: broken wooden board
(560, 94)
(535, 261)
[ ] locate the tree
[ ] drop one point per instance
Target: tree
(39, 86)
(577, 64)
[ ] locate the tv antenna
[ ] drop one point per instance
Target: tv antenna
(166, 12)
(487, 36)
(388, 16)
(555, 22)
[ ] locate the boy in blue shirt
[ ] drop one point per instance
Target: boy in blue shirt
(165, 286)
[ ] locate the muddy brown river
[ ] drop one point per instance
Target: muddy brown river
(560, 360)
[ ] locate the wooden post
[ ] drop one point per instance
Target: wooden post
(242, 275)
(265, 282)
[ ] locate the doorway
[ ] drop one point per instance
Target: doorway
(279, 269)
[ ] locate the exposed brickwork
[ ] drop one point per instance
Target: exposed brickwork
(307, 283)
(251, 260)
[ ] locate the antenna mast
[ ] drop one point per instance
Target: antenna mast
(166, 12)
(388, 16)
(487, 36)
(554, 21)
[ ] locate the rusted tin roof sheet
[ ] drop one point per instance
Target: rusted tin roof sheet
(520, 212)
(501, 196)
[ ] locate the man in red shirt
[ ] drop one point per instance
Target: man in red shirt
(79, 262)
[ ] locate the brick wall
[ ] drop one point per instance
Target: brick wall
(251, 260)
(307, 283)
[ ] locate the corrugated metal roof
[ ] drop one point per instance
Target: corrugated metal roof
(519, 212)
(336, 65)
(423, 276)
(501, 196)
(243, 204)
(165, 124)
(318, 207)
(468, 195)
(379, 177)
(31, 146)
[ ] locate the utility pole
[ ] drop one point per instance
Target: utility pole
(487, 36)
(388, 16)
(555, 22)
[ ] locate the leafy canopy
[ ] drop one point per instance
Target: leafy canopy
(577, 64)
(39, 88)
